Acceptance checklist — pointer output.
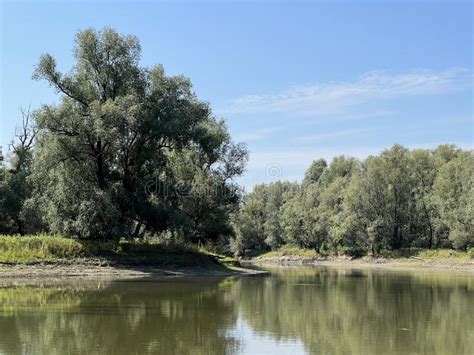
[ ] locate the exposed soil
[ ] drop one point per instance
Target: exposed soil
(94, 269)
(440, 264)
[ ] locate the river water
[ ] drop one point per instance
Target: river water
(290, 311)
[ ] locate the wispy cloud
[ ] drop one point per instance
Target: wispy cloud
(319, 137)
(292, 164)
(337, 97)
(257, 134)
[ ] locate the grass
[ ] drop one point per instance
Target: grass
(446, 253)
(431, 254)
(23, 250)
(58, 249)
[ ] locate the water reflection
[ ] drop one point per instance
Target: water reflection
(179, 316)
(295, 309)
(346, 311)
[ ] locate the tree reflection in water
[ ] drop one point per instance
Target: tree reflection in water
(328, 310)
(185, 316)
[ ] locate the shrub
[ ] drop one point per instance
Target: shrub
(470, 252)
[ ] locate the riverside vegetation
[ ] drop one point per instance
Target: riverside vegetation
(130, 155)
(392, 202)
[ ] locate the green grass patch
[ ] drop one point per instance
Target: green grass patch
(31, 249)
(223, 259)
(432, 254)
(444, 254)
(58, 249)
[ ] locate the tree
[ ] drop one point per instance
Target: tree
(334, 183)
(454, 197)
(398, 199)
(207, 196)
(15, 188)
(116, 130)
(277, 195)
(249, 224)
(302, 224)
(424, 216)
(379, 200)
(314, 172)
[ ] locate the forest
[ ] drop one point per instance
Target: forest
(129, 153)
(423, 198)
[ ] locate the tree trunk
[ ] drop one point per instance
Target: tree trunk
(100, 165)
(430, 241)
(19, 225)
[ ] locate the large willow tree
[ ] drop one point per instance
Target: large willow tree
(107, 154)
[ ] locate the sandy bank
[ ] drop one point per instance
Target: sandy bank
(91, 270)
(443, 264)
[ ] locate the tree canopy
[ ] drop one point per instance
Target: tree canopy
(398, 199)
(127, 147)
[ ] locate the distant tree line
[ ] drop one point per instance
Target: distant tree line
(398, 199)
(83, 167)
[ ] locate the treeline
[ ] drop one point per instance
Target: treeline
(128, 152)
(398, 199)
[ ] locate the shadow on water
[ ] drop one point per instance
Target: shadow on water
(327, 310)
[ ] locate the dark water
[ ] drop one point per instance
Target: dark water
(294, 310)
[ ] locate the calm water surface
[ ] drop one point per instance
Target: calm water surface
(293, 310)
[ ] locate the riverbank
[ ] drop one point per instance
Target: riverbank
(89, 270)
(58, 257)
(439, 260)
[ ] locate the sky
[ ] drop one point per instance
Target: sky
(295, 80)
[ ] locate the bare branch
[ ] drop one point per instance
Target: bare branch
(25, 134)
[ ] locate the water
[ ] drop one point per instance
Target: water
(293, 310)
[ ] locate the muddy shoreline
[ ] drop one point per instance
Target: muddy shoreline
(97, 269)
(116, 271)
(446, 264)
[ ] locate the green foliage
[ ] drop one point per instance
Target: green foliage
(470, 252)
(397, 200)
(315, 171)
(15, 189)
(9, 202)
(453, 192)
(127, 152)
(249, 224)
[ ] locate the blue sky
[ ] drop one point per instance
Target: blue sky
(295, 80)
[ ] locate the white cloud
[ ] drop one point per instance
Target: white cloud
(256, 134)
(319, 137)
(291, 165)
(337, 97)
